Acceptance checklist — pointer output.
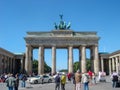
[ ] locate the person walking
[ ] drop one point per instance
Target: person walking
(90, 73)
(10, 81)
(63, 81)
(85, 81)
(78, 80)
(94, 78)
(114, 77)
(16, 82)
(24, 78)
(57, 82)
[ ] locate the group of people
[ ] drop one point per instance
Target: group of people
(81, 78)
(85, 78)
(12, 81)
(115, 77)
(60, 80)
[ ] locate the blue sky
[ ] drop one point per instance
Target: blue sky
(19, 16)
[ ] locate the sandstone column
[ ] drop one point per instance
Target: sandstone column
(110, 71)
(92, 58)
(117, 64)
(28, 61)
(102, 64)
(113, 64)
(70, 59)
(22, 65)
(41, 60)
(31, 60)
(13, 65)
(83, 58)
(5, 70)
(53, 60)
(10, 65)
(96, 61)
(3, 64)
(0, 64)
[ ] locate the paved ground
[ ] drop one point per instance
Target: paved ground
(69, 86)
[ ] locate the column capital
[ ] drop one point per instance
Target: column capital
(40, 45)
(28, 45)
(83, 45)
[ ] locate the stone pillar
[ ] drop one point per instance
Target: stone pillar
(7, 64)
(14, 69)
(92, 58)
(22, 65)
(31, 60)
(110, 71)
(116, 61)
(119, 64)
(53, 60)
(28, 61)
(0, 64)
(83, 59)
(3, 64)
(70, 59)
(41, 60)
(10, 65)
(113, 64)
(5, 70)
(96, 61)
(102, 64)
(79, 59)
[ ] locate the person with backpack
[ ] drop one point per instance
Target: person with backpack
(114, 77)
(10, 81)
(24, 78)
(16, 82)
(78, 77)
(57, 82)
(85, 81)
(63, 81)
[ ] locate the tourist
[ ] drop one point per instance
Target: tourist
(90, 76)
(73, 77)
(24, 78)
(69, 76)
(99, 75)
(57, 82)
(78, 80)
(114, 78)
(85, 81)
(10, 82)
(94, 78)
(16, 82)
(63, 81)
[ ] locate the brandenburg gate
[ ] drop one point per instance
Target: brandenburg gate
(62, 37)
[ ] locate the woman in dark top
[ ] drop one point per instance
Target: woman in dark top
(16, 82)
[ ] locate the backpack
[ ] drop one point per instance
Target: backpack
(86, 79)
(57, 79)
(63, 79)
(115, 78)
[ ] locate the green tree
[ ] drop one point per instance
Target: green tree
(76, 65)
(35, 66)
(47, 68)
(88, 64)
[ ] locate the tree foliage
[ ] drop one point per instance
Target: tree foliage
(76, 65)
(47, 68)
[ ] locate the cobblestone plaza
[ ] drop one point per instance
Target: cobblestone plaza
(69, 86)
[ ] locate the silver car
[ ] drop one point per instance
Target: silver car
(40, 79)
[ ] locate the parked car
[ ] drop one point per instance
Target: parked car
(40, 79)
